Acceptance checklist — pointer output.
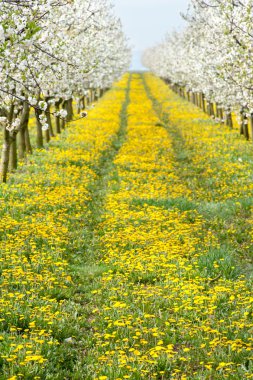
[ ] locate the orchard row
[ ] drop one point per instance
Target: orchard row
(51, 53)
(211, 60)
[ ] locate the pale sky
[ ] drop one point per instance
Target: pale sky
(146, 22)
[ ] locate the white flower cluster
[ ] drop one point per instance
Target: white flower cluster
(32, 101)
(43, 122)
(62, 113)
(41, 58)
(213, 55)
(10, 126)
(43, 105)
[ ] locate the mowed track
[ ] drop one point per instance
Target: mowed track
(140, 235)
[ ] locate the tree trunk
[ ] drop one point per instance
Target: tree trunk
(5, 155)
(203, 102)
(242, 122)
(49, 120)
(39, 137)
(246, 131)
(21, 144)
(69, 107)
(197, 99)
(13, 153)
(66, 107)
(6, 147)
(47, 135)
(79, 106)
(229, 120)
(208, 108)
(251, 125)
(57, 118)
(98, 92)
(88, 98)
(221, 113)
(57, 122)
(246, 127)
(217, 109)
(28, 145)
(21, 135)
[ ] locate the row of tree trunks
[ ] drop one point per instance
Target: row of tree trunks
(60, 122)
(215, 110)
(12, 149)
(92, 96)
(17, 143)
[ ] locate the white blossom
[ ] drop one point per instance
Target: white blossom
(32, 101)
(63, 113)
(43, 105)
(45, 127)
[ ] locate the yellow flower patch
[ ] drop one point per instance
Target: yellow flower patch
(176, 322)
(38, 211)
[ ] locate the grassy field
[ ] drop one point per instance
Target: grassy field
(126, 247)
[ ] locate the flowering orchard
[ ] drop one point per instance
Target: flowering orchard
(211, 60)
(51, 53)
(126, 248)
